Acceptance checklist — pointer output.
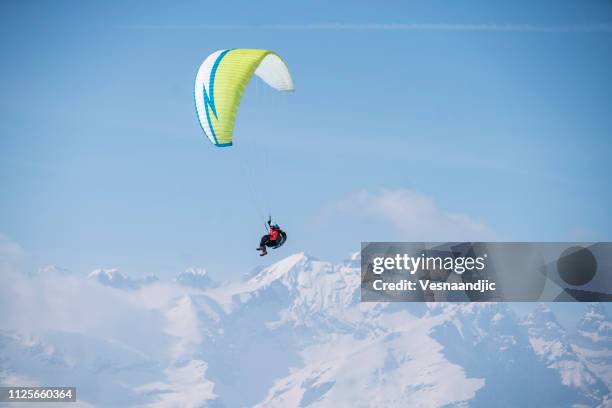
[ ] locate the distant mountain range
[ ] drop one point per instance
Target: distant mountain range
(293, 334)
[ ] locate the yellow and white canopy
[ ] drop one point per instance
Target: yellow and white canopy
(221, 81)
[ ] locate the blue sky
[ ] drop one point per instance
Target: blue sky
(498, 114)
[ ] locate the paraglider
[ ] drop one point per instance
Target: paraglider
(220, 82)
(275, 238)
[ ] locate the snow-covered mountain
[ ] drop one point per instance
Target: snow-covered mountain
(114, 278)
(552, 345)
(592, 342)
(195, 277)
(293, 334)
(52, 269)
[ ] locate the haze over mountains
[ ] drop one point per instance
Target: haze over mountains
(293, 334)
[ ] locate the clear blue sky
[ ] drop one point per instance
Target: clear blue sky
(497, 110)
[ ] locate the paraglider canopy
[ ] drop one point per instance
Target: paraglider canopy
(221, 81)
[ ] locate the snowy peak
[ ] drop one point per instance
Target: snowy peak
(52, 270)
(115, 279)
(593, 342)
(596, 310)
(299, 289)
(195, 278)
(353, 261)
(595, 325)
(548, 338)
(552, 345)
(544, 321)
(286, 270)
(291, 263)
(301, 272)
(107, 276)
(491, 324)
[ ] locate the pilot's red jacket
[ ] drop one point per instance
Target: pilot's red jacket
(274, 233)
